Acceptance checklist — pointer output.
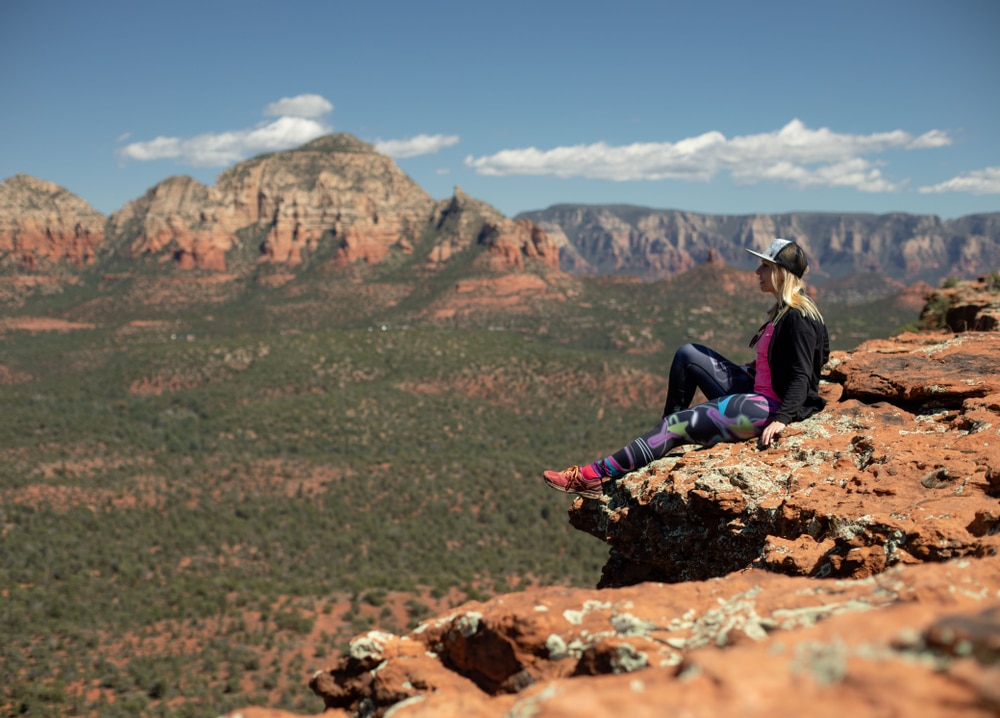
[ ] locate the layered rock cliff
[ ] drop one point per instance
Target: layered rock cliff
(336, 198)
(859, 555)
(42, 224)
(651, 243)
(463, 221)
(280, 208)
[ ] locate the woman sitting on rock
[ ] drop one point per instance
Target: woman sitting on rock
(756, 400)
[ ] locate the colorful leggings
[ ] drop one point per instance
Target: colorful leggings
(732, 413)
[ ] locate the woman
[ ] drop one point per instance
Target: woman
(756, 400)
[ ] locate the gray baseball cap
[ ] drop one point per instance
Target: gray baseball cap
(785, 253)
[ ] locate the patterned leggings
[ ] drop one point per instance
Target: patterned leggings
(732, 413)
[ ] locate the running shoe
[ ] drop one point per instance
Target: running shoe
(571, 482)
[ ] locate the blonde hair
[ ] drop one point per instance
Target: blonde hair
(790, 291)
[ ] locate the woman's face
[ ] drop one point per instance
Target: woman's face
(764, 276)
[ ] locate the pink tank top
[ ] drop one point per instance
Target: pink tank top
(762, 376)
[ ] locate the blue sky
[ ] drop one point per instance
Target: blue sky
(716, 107)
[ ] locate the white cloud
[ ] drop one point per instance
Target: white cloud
(856, 172)
(308, 106)
(795, 154)
(158, 149)
(934, 138)
(985, 181)
(299, 121)
(415, 146)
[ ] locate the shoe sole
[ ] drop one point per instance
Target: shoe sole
(585, 493)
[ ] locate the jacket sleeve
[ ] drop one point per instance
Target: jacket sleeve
(793, 351)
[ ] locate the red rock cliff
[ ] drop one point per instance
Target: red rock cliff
(43, 224)
(281, 206)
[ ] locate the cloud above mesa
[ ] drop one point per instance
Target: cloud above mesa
(415, 146)
(979, 182)
(795, 154)
(298, 120)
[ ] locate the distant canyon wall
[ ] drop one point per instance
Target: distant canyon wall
(652, 243)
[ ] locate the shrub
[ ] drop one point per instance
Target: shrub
(294, 621)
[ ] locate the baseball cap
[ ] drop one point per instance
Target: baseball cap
(785, 253)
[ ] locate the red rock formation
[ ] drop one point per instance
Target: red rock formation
(43, 224)
(517, 262)
(715, 258)
(511, 242)
(914, 296)
(172, 225)
(898, 471)
(464, 222)
(281, 207)
(965, 306)
(459, 222)
(751, 643)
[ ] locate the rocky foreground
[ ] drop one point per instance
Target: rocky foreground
(853, 569)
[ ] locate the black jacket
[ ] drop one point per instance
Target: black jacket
(799, 348)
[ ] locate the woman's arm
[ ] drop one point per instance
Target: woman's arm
(793, 348)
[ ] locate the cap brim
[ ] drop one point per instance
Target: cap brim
(764, 257)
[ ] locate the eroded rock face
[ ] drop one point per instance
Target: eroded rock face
(282, 206)
(336, 194)
(904, 468)
(463, 222)
(42, 224)
(751, 643)
(971, 306)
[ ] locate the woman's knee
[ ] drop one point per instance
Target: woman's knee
(690, 349)
(689, 353)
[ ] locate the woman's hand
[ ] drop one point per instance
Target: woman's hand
(770, 431)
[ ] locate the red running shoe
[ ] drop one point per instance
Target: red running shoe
(571, 481)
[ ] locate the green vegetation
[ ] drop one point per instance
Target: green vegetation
(935, 314)
(187, 491)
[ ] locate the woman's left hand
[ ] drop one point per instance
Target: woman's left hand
(770, 431)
